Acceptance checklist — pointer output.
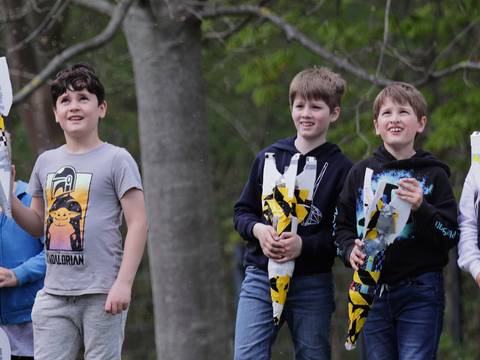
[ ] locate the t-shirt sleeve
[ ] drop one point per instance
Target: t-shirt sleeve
(126, 175)
(35, 185)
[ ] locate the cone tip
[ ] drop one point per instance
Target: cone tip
(349, 346)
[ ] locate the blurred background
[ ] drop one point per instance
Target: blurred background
(196, 88)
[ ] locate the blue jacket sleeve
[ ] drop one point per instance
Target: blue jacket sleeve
(31, 270)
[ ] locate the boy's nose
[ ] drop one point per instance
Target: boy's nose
(306, 112)
(395, 118)
(73, 106)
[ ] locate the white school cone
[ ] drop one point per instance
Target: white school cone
(286, 199)
(384, 221)
(6, 99)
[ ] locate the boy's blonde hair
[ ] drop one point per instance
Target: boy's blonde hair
(318, 84)
(402, 94)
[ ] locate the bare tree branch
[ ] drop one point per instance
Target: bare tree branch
(36, 6)
(385, 37)
(452, 44)
(101, 6)
(17, 14)
(404, 59)
(117, 18)
(461, 66)
(224, 35)
(224, 113)
(291, 33)
(315, 8)
(49, 19)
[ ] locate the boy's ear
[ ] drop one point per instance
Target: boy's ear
(55, 113)
(422, 122)
(335, 114)
(375, 125)
(103, 109)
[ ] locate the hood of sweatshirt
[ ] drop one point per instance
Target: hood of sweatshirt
(322, 152)
(420, 159)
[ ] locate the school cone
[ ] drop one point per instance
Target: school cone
(6, 99)
(286, 199)
(385, 217)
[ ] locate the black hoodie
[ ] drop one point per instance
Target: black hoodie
(431, 230)
(318, 250)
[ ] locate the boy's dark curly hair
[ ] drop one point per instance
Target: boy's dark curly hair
(75, 78)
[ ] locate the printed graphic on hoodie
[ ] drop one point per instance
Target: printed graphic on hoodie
(392, 176)
(67, 195)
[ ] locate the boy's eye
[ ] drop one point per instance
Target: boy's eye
(386, 113)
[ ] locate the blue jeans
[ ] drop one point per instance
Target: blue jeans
(307, 312)
(405, 322)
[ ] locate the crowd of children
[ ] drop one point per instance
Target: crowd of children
(80, 190)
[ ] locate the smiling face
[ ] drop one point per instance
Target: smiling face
(312, 118)
(78, 113)
(398, 125)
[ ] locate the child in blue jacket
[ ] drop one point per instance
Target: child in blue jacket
(22, 269)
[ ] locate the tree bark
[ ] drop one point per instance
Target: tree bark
(185, 254)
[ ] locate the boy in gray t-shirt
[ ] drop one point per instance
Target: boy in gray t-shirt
(79, 192)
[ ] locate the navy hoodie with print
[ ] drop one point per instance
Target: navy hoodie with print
(431, 230)
(318, 250)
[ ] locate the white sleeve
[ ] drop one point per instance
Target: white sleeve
(468, 250)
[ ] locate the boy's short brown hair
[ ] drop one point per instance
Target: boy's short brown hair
(402, 94)
(319, 84)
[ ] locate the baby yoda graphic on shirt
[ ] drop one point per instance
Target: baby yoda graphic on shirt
(67, 194)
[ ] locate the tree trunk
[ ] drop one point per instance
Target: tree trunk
(185, 254)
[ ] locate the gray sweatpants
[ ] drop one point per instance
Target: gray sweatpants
(62, 323)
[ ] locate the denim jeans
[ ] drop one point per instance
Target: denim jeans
(307, 312)
(405, 322)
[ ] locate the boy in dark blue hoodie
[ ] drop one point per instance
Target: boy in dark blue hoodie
(405, 321)
(314, 96)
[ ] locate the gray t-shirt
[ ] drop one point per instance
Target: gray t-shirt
(83, 214)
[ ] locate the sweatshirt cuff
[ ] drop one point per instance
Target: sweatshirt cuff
(249, 230)
(21, 273)
(344, 252)
(424, 212)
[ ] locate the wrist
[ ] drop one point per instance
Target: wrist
(256, 228)
(123, 282)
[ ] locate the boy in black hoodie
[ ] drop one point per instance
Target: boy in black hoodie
(315, 103)
(405, 321)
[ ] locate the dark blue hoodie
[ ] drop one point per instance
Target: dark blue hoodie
(318, 250)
